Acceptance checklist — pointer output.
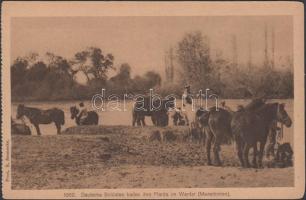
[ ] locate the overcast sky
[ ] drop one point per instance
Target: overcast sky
(142, 41)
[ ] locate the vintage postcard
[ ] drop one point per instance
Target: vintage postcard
(153, 100)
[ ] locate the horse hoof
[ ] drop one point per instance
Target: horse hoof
(209, 163)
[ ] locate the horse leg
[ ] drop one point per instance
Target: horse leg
(138, 121)
(208, 146)
(216, 150)
(203, 136)
(254, 162)
(246, 154)
(143, 121)
(134, 120)
(239, 146)
(37, 129)
(58, 128)
(261, 151)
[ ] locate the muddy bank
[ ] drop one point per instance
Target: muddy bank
(84, 157)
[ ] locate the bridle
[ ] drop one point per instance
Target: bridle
(286, 118)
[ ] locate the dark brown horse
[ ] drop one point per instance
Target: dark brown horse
(91, 119)
(251, 126)
(159, 116)
(37, 116)
(216, 123)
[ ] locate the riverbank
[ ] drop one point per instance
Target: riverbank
(126, 157)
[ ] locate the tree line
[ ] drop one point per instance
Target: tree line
(55, 77)
(228, 79)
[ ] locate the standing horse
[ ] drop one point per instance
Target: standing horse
(91, 119)
(37, 116)
(141, 110)
(252, 126)
(159, 115)
(217, 126)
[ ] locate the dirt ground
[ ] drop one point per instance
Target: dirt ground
(124, 157)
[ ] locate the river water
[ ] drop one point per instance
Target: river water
(124, 115)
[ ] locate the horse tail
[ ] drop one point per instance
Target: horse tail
(62, 118)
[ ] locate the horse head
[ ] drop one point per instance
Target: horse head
(200, 112)
(282, 115)
(20, 111)
(74, 112)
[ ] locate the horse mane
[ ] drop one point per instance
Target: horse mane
(26, 108)
(255, 104)
(266, 106)
(200, 111)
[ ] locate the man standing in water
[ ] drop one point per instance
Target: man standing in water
(83, 112)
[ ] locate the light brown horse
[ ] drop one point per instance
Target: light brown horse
(216, 124)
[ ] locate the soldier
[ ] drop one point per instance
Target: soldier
(178, 117)
(274, 129)
(83, 112)
(284, 154)
(187, 94)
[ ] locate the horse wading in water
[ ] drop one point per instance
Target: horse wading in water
(38, 116)
(159, 115)
(92, 117)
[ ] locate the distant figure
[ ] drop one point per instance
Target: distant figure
(187, 95)
(274, 130)
(284, 154)
(91, 118)
(19, 129)
(83, 112)
(225, 107)
(240, 108)
(178, 118)
(187, 98)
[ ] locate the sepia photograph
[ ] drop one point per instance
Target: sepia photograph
(145, 105)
